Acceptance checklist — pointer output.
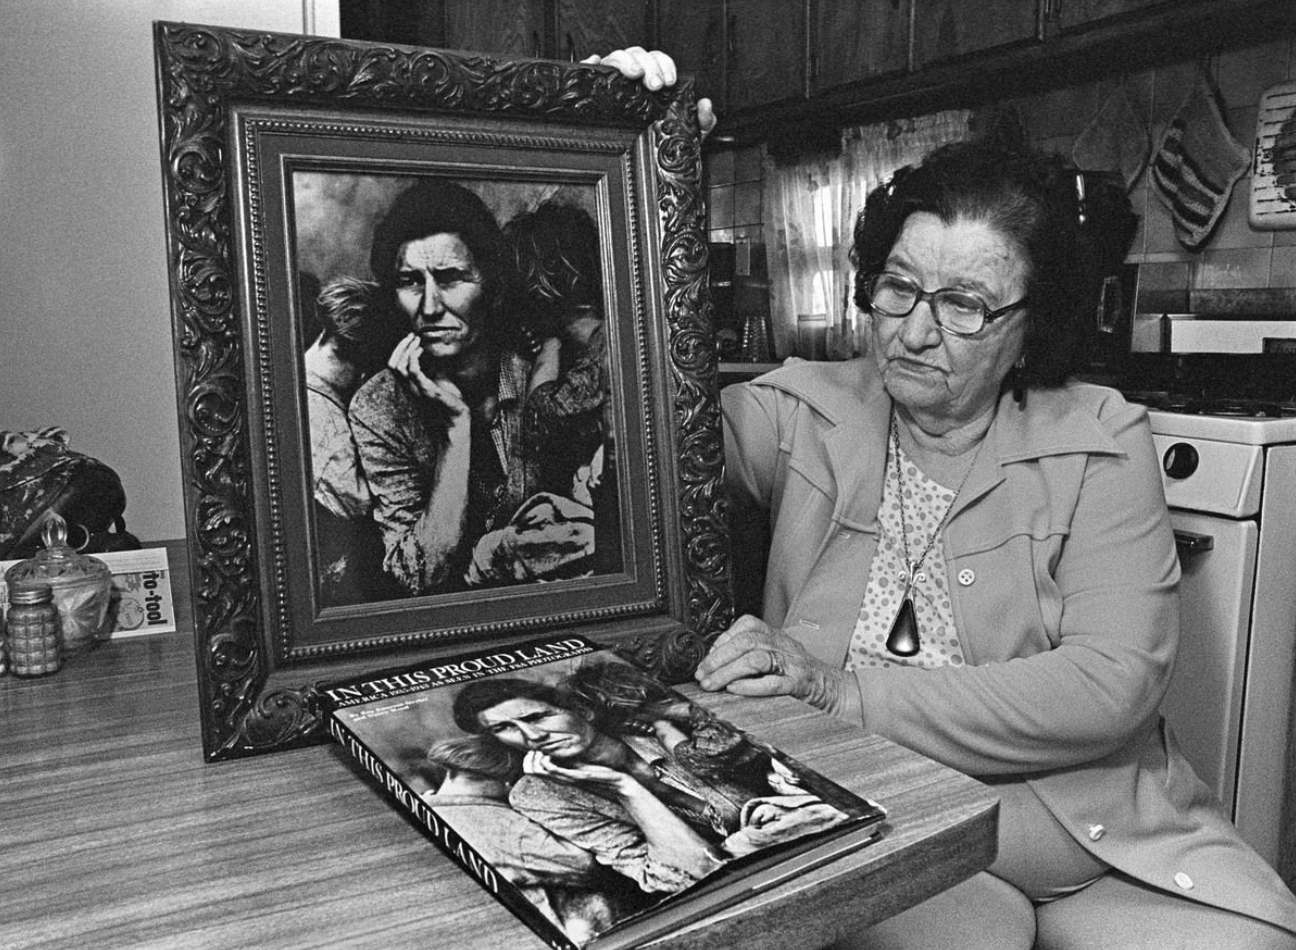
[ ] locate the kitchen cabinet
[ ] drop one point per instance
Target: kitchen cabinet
(744, 53)
(950, 29)
(552, 29)
(967, 52)
(799, 69)
(1063, 15)
(504, 27)
(693, 32)
(765, 45)
(583, 27)
(850, 42)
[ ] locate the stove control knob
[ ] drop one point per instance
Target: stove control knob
(1180, 460)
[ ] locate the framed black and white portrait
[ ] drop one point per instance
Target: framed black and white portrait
(445, 364)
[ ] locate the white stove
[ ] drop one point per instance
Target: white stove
(1233, 429)
(1230, 482)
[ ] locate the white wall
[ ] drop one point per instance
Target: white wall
(85, 326)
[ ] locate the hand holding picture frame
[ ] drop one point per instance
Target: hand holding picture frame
(396, 436)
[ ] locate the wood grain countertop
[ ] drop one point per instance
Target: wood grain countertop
(115, 833)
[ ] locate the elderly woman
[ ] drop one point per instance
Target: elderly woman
(972, 556)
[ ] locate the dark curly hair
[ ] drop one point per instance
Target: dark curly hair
(1030, 198)
(441, 206)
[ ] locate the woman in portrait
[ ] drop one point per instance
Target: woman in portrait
(627, 803)
(439, 428)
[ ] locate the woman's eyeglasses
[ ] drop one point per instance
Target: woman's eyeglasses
(955, 311)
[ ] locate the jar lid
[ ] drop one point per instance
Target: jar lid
(58, 564)
(33, 594)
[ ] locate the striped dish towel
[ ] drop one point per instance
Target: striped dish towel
(1197, 164)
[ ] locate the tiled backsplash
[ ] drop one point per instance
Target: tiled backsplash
(734, 190)
(734, 193)
(1235, 256)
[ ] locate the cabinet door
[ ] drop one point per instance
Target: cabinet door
(1072, 14)
(506, 27)
(765, 47)
(946, 29)
(692, 32)
(853, 41)
(600, 26)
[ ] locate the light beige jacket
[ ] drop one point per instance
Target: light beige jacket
(1063, 578)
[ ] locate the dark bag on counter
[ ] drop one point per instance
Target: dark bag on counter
(40, 474)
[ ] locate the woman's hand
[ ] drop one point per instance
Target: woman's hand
(577, 773)
(657, 70)
(407, 362)
(751, 659)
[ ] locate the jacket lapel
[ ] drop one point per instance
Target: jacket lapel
(1021, 435)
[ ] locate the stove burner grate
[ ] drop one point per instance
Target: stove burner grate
(1220, 406)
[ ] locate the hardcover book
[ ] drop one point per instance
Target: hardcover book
(602, 807)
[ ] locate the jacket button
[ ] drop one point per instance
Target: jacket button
(967, 577)
(1184, 881)
(1096, 832)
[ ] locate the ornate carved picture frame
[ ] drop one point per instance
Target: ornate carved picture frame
(285, 161)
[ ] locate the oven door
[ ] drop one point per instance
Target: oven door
(1204, 704)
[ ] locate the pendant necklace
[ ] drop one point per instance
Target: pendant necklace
(902, 638)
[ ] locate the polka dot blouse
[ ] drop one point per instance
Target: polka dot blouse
(925, 504)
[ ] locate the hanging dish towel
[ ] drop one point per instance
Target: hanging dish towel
(1117, 140)
(1197, 163)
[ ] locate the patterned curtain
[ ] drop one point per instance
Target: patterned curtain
(809, 216)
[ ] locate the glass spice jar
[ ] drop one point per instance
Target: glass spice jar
(82, 586)
(33, 632)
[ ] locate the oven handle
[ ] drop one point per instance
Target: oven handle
(1190, 542)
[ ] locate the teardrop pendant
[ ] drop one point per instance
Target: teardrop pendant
(903, 637)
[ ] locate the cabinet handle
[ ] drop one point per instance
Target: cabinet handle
(1190, 542)
(571, 49)
(535, 44)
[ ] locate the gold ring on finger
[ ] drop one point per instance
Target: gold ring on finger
(776, 663)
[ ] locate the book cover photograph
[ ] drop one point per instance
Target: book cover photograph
(599, 805)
